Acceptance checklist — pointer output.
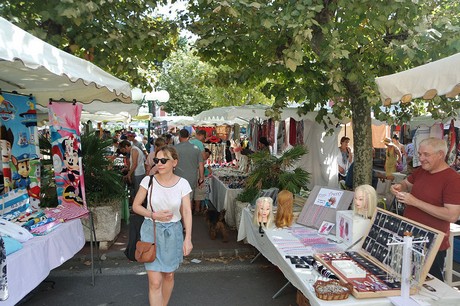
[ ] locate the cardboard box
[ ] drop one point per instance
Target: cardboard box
(322, 205)
(350, 228)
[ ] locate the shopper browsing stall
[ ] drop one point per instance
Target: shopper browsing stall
(432, 195)
(169, 196)
(345, 157)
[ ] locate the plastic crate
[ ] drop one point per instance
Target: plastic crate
(456, 247)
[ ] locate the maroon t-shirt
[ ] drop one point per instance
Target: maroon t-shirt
(436, 189)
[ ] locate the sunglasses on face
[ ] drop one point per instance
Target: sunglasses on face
(162, 160)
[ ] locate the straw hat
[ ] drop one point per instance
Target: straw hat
(387, 141)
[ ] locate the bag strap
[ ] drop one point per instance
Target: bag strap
(151, 207)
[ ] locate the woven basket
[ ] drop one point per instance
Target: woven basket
(332, 290)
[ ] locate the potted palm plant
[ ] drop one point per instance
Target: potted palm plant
(103, 188)
(269, 171)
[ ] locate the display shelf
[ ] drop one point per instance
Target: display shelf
(376, 257)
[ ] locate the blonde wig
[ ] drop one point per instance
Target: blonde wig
(260, 202)
(284, 214)
(370, 201)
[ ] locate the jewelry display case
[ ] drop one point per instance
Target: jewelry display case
(381, 256)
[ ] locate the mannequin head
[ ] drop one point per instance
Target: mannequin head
(365, 201)
(263, 214)
(284, 214)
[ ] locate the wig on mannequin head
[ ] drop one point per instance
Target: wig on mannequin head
(369, 200)
(284, 214)
(267, 203)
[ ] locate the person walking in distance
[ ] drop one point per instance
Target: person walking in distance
(136, 171)
(190, 165)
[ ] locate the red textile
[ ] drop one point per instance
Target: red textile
(436, 189)
(208, 129)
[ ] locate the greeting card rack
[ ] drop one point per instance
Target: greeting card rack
(382, 258)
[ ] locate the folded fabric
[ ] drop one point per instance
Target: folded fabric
(11, 245)
(15, 231)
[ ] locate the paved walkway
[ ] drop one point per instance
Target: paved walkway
(203, 246)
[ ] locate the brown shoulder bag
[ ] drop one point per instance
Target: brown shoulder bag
(147, 251)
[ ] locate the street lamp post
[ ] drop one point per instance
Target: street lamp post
(151, 98)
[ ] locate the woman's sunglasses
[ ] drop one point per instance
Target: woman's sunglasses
(162, 160)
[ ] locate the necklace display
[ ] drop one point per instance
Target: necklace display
(394, 255)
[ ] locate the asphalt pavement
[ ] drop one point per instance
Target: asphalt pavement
(213, 281)
(215, 273)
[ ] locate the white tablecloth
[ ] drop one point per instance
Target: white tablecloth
(28, 267)
(300, 279)
(223, 197)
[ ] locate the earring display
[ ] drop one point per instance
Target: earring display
(381, 257)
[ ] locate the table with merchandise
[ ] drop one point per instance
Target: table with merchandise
(292, 250)
(226, 185)
(29, 266)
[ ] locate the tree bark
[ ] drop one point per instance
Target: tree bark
(362, 141)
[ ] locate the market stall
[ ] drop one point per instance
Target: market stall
(225, 186)
(277, 244)
(28, 267)
(36, 73)
(32, 66)
(322, 147)
(440, 77)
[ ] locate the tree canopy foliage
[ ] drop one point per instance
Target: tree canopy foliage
(193, 86)
(317, 51)
(123, 37)
(185, 77)
(313, 52)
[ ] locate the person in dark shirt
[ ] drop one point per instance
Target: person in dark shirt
(228, 152)
(375, 177)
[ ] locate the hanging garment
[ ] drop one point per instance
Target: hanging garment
(20, 151)
(66, 149)
(299, 128)
(236, 131)
(437, 130)
(292, 132)
(271, 131)
(281, 136)
(451, 145)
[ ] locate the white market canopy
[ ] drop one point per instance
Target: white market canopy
(29, 65)
(242, 114)
(229, 113)
(441, 77)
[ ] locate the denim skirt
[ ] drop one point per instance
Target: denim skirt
(170, 239)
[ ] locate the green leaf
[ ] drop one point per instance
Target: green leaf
(291, 64)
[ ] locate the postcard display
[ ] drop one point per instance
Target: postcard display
(374, 270)
(321, 208)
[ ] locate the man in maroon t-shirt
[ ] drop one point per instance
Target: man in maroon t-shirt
(432, 195)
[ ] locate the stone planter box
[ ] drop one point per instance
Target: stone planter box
(107, 223)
